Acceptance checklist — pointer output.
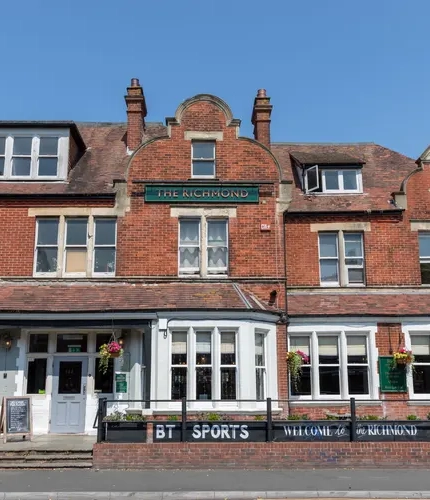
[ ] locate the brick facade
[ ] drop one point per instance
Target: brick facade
(272, 284)
(260, 455)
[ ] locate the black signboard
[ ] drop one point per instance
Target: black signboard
(393, 430)
(392, 377)
(219, 431)
(320, 430)
(18, 415)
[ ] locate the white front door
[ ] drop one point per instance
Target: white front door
(69, 394)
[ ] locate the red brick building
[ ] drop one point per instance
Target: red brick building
(356, 240)
(181, 240)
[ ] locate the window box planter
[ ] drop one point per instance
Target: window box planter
(125, 432)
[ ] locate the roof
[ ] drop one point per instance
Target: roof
(383, 172)
(104, 161)
(113, 296)
(381, 303)
(326, 158)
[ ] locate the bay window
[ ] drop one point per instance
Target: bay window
(203, 364)
(339, 364)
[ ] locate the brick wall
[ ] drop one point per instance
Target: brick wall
(18, 231)
(260, 455)
(148, 235)
(390, 250)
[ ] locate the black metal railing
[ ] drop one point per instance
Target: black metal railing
(266, 410)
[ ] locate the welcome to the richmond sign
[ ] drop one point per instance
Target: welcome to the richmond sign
(292, 431)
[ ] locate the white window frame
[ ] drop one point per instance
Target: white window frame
(262, 368)
(190, 271)
(215, 364)
(36, 246)
(67, 247)
(306, 179)
(172, 366)
(203, 245)
(342, 266)
(36, 135)
(216, 270)
(313, 332)
(340, 173)
(61, 247)
(321, 185)
(409, 330)
(210, 365)
(93, 222)
(205, 160)
(424, 259)
(230, 367)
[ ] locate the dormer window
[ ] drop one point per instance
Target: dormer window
(320, 179)
(33, 155)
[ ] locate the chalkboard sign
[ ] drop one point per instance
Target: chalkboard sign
(16, 417)
(391, 378)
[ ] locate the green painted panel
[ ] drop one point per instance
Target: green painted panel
(391, 378)
(207, 193)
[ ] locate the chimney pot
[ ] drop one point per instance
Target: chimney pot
(260, 118)
(136, 112)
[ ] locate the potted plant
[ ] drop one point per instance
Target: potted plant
(295, 361)
(403, 357)
(107, 351)
(125, 428)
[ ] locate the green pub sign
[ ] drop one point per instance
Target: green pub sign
(205, 193)
(392, 378)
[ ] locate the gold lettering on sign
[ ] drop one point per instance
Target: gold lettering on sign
(175, 193)
(244, 193)
(206, 194)
(159, 193)
(215, 193)
(234, 193)
(185, 193)
(197, 193)
(225, 193)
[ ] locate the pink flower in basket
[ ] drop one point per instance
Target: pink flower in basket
(114, 347)
(305, 357)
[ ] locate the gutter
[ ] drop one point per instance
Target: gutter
(102, 196)
(397, 211)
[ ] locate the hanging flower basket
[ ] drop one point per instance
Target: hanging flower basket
(107, 351)
(403, 357)
(295, 361)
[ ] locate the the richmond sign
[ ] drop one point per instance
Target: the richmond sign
(235, 431)
(202, 193)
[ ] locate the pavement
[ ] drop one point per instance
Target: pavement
(51, 442)
(229, 484)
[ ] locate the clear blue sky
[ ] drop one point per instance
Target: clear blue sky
(336, 70)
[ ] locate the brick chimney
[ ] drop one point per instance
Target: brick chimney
(136, 112)
(261, 117)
